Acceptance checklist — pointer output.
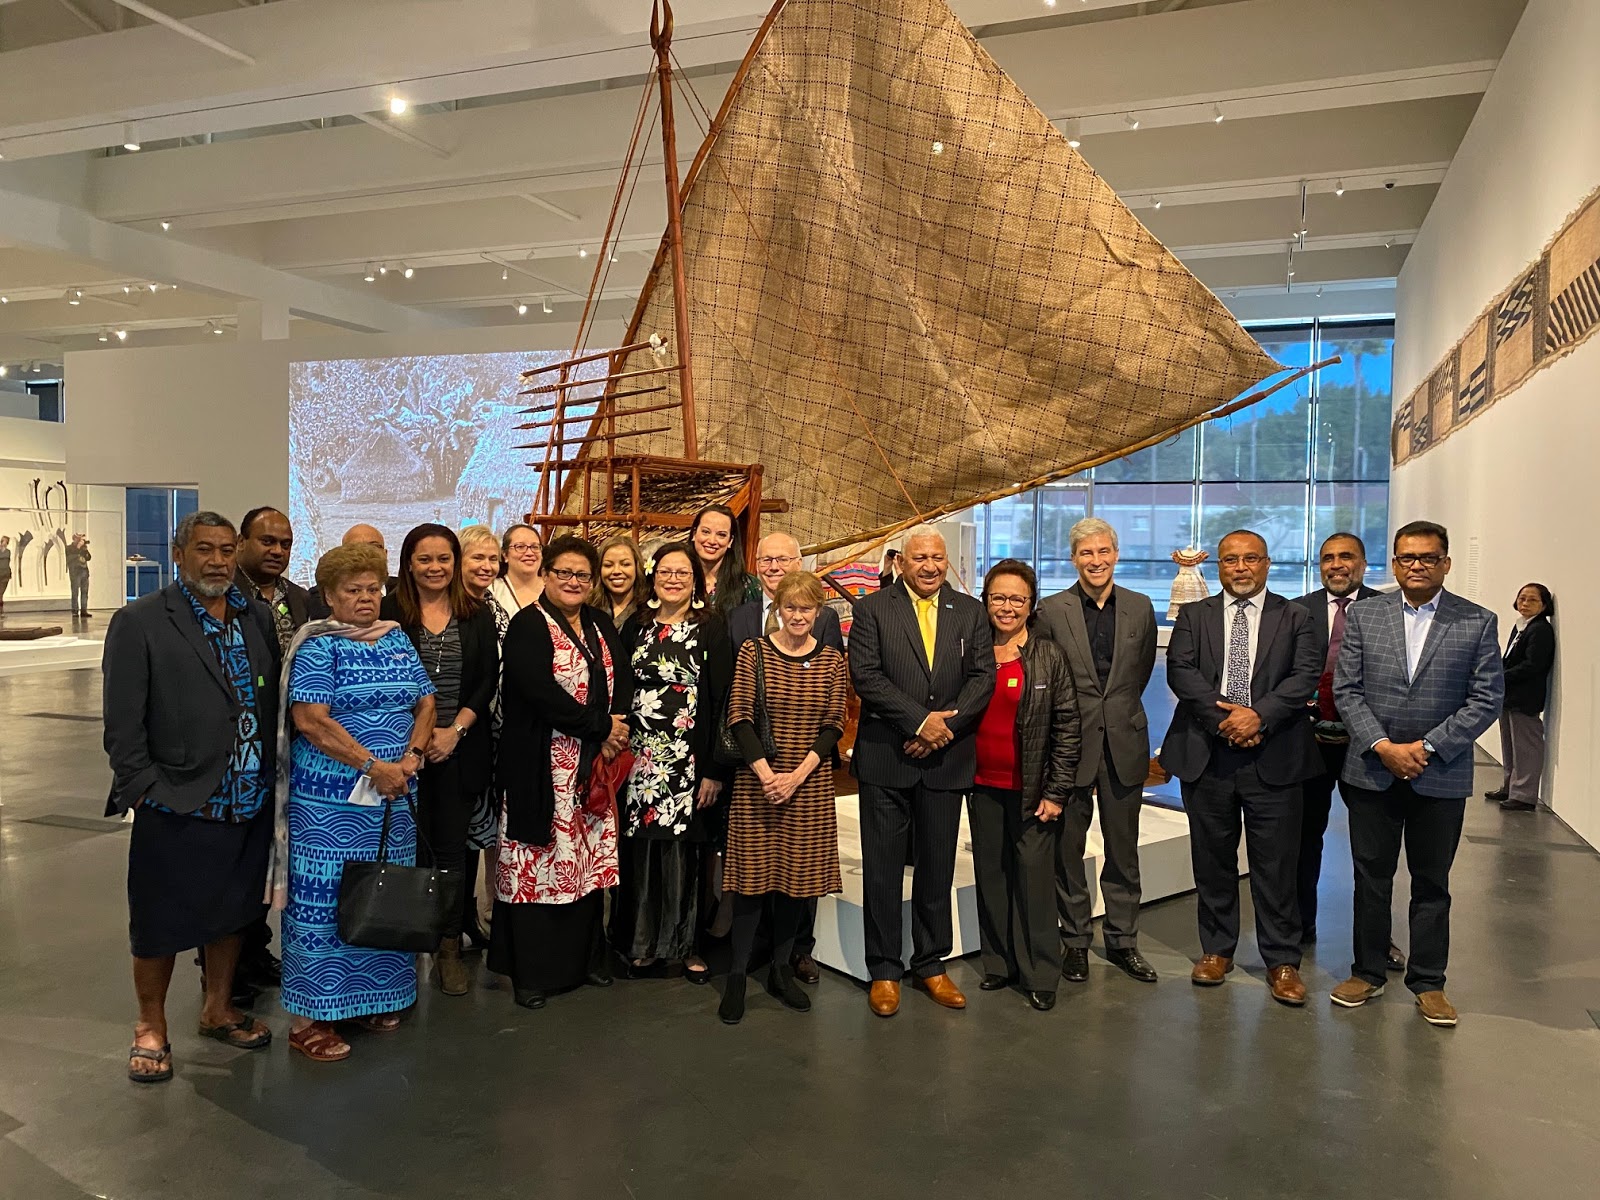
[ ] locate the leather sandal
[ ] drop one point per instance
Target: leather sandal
(248, 1034)
(162, 1058)
(320, 1042)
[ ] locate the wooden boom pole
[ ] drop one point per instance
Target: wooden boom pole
(661, 39)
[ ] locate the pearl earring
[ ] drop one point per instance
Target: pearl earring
(697, 603)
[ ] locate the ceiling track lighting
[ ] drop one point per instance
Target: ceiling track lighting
(5, 299)
(371, 274)
(1155, 202)
(105, 335)
(522, 308)
(4, 370)
(383, 269)
(1131, 121)
(583, 252)
(1217, 115)
(130, 140)
(74, 296)
(505, 274)
(547, 306)
(1338, 187)
(398, 105)
(1074, 132)
(122, 335)
(407, 272)
(166, 225)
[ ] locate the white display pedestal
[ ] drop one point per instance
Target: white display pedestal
(62, 652)
(1164, 869)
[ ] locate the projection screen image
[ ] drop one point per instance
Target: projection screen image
(394, 442)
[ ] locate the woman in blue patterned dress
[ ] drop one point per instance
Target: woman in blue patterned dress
(362, 705)
(682, 665)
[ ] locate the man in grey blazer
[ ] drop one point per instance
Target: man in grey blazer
(922, 661)
(191, 722)
(1419, 678)
(1109, 636)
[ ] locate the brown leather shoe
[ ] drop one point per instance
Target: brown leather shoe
(1353, 993)
(1287, 987)
(884, 997)
(1436, 1009)
(1210, 970)
(943, 991)
(805, 968)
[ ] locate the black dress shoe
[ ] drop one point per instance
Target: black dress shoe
(1075, 964)
(994, 983)
(1395, 960)
(1497, 795)
(1043, 1001)
(529, 997)
(1132, 963)
(731, 1010)
(600, 976)
(805, 968)
(781, 983)
(263, 970)
(1517, 806)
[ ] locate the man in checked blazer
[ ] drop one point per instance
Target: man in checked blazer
(922, 661)
(1109, 636)
(1418, 679)
(1243, 663)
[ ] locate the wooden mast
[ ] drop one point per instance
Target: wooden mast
(661, 39)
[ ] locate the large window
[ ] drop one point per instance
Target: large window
(153, 514)
(1308, 461)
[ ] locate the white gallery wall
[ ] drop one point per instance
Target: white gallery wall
(1519, 486)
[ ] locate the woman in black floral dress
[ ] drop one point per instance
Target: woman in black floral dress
(682, 664)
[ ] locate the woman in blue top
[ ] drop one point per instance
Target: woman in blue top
(362, 705)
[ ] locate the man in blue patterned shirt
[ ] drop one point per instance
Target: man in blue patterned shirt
(191, 703)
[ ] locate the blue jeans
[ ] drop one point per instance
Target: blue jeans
(80, 591)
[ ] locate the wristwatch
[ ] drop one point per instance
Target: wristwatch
(366, 767)
(461, 730)
(1428, 746)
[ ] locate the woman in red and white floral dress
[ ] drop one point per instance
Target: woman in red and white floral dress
(565, 691)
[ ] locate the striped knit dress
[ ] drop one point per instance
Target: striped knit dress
(792, 848)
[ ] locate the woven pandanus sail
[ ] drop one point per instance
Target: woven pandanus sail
(908, 294)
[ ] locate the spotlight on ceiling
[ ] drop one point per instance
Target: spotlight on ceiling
(1338, 188)
(74, 296)
(166, 225)
(130, 140)
(383, 269)
(522, 308)
(1155, 202)
(398, 105)
(215, 327)
(1216, 114)
(4, 370)
(1074, 132)
(371, 275)
(407, 272)
(122, 335)
(5, 299)
(583, 252)
(1131, 121)
(547, 306)
(505, 274)
(105, 335)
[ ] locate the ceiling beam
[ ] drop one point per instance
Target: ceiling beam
(50, 225)
(405, 135)
(88, 20)
(185, 29)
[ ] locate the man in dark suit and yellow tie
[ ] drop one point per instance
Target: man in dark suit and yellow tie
(1243, 664)
(922, 661)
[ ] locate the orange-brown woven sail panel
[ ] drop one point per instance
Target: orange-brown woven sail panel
(907, 291)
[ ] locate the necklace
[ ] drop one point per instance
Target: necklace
(435, 642)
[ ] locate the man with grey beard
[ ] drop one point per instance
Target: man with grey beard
(191, 717)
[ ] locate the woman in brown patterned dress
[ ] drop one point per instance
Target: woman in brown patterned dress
(783, 841)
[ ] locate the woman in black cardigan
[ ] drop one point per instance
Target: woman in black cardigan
(455, 638)
(1530, 655)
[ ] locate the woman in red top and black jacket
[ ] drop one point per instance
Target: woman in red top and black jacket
(1028, 745)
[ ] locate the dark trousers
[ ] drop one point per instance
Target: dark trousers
(1230, 788)
(1120, 805)
(1430, 829)
(928, 821)
(785, 912)
(1014, 859)
(443, 813)
(79, 581)
(805, 934)
(1317, 804)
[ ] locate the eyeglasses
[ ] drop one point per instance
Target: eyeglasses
(1249, 560)
(524, 547)
(567, 576)
(775, 560)
(677, 575)
(998, 600)
(1419, 560)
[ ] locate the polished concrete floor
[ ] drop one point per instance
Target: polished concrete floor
(1124, 1090)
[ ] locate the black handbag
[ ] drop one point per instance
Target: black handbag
(728, 751)
(390, 906)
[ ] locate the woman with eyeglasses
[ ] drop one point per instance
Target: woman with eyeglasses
(481, 564)
(682, 664)
(523, 581)
(714, 538)
(1028, 744)
(622, 586)
(454, 635)
(1529, 658)
(565, 694)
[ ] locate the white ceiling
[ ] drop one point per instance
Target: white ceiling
(272, 176)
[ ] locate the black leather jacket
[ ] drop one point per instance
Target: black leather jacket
(1047, 722)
